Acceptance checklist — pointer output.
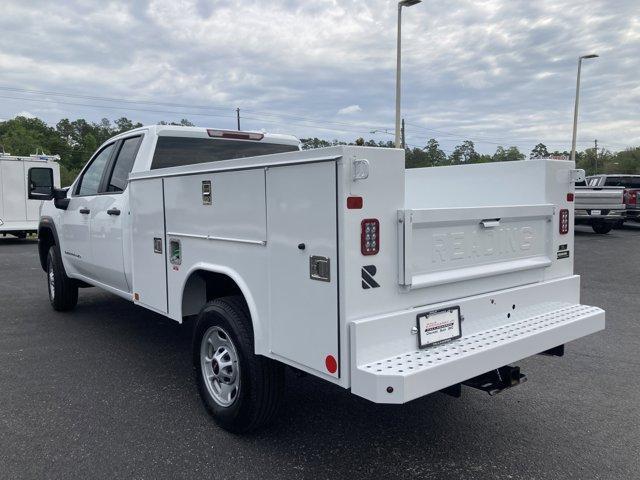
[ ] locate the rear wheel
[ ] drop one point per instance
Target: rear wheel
(63, 291)
(241, 390)
(602, 227)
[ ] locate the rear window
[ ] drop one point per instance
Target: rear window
(629, 182)
(177, 151)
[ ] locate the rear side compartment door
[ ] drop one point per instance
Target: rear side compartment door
(303, 265)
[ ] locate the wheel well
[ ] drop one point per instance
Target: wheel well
(46, 240)
(203, 286)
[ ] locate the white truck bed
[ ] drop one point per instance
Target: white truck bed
(481, 238)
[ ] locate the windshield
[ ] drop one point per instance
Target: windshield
(177, 151)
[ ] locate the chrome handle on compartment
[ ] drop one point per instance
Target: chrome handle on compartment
(490, 222)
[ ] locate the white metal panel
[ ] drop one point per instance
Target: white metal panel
(301, 209)
(14, 195)
(74, 236)
(447, 245)
(149, 275)
(236, 210)
(107, 239)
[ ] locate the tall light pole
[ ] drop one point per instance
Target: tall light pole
(575, 113)
(403, 3)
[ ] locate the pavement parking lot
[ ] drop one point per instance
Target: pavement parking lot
(108, 392)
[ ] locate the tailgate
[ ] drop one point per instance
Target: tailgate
(599, 198)
(446, 245)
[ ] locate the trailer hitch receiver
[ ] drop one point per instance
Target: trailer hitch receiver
(498, 380)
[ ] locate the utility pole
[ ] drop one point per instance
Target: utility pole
(238, 115)
(401, 4)
(404, 143)
(575, 113)
(596, 153)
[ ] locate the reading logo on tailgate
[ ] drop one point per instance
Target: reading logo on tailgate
(477, 244)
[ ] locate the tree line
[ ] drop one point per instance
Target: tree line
(75, 141)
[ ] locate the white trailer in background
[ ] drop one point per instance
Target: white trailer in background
(338, 262)
(20, 215)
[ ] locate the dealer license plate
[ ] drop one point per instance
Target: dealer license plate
(441, 326)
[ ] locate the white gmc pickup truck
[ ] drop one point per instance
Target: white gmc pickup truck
(338, 262)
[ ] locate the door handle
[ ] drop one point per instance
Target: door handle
(85, 211)
(490, 222)
(113, 211)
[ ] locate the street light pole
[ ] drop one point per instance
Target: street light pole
(403, 3)
(575, 112)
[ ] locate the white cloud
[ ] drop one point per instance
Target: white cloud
(496, 71)
(349, 110)
(25, 114)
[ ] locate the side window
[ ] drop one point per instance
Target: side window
(90, 181)
(123, 164)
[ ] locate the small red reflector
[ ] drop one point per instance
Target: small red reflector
(235, 135)
(564, 221)
(331, 364)
(570, 197)
(354, 203)
(370, 237)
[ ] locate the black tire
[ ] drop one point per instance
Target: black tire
(602, 227)
(63, 291)
(21, 235)
(261, 380)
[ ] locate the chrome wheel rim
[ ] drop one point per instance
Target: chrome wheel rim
(51, 281)
(219, 366)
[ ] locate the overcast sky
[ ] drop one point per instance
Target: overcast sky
(500, 72)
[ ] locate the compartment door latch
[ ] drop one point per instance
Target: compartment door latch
(320, 268)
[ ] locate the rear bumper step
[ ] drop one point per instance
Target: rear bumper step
(413, 374)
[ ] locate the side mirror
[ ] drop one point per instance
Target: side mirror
(40, 183)
(60, 199)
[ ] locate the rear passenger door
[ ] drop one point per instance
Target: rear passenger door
(109, 216)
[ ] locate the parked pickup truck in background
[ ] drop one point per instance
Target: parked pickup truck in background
(631, 185)
(599, 206)
(337, 262)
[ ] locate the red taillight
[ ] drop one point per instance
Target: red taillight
(354, 203)
(570, 197)
(631, 197)
(370, 236)
(235, 135)
(564, 221)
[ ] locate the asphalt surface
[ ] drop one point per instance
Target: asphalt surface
(107, 391)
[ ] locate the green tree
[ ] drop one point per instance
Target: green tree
(539, 151)
(509, 155)
(465, 153)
